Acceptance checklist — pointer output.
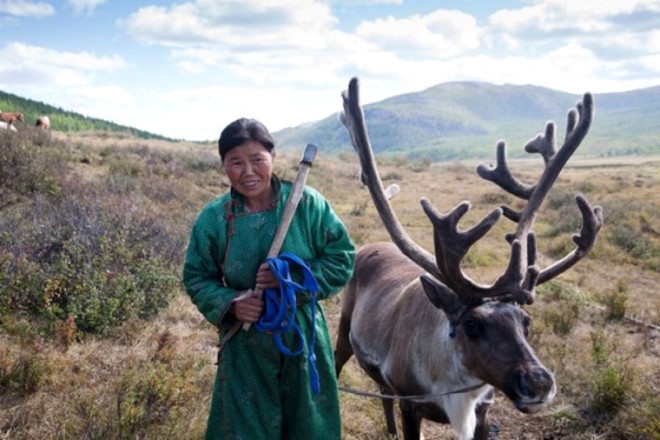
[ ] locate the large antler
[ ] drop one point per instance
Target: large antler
(353, 119)
(579, 121)
(451, 245)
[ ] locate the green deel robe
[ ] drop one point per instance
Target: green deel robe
(260, 393)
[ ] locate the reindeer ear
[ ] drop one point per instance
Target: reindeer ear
(441, 296)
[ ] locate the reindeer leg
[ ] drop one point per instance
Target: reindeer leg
(483, 431)
(343, 349)
(388, 409)
(410, 420)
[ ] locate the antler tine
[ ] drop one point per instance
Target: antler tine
(555, 160)
(545, 145)
(556, 163)
(592, 221)
(523, 241)
(451, 246)
(353, 119)
(501, 175)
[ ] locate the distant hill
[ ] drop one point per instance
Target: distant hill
(64, 120)
(463, 120)
(449, 121)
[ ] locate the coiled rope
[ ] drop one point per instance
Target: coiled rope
(279, 316)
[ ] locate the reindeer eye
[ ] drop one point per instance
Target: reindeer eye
(472, 328)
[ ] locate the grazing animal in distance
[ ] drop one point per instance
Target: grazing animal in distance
(10, 117)
(424, 331)
(43, 122)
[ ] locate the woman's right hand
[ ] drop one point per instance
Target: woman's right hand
(248, 310)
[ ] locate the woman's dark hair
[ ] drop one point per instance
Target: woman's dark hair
(242, 130)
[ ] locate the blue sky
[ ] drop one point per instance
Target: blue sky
(185, 69)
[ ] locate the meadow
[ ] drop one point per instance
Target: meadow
(99, 341)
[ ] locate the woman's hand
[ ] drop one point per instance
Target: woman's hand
(249, 309)
(265, 278)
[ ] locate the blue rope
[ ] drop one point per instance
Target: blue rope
(280, 309)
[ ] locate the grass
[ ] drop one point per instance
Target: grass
(106, 218)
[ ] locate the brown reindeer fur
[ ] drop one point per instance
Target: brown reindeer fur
(10, 118)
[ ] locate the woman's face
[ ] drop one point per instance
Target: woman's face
(249, 168)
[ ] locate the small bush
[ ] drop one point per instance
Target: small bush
(495, 198)
(555, 290)
(612, 381)
(419, 165)
(359, 208)
(26, 168)
(560, 198)
(633, 241)
(23, 373)
(149, 400)
(562, 319)
(616, 302)
(100, 258)
(643, 421)
(611, 390)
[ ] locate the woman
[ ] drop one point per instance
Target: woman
(259, 392)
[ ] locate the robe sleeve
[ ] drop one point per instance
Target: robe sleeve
(335, 260)
(202, 276)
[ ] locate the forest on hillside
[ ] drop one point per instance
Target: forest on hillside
(64, 120)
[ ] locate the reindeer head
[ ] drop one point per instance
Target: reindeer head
(488, 320)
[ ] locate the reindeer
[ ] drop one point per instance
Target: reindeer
(427, 333)
(10, 117)
(43, 122)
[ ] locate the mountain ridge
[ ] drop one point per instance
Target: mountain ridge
(448, 121)
(465, 119)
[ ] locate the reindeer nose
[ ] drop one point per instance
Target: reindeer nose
(535, 382)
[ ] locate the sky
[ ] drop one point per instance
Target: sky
(186, 69)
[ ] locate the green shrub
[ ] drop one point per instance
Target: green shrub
(612, 381)
(23, 373)
(611, 390)
(101, 258)
(633, 241)
(616, 302)
(150, 399)
(27, 168)
(562, 319)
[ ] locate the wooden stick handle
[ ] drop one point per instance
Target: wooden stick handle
(290, 208)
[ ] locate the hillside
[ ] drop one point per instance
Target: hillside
(463, 120)
(449, 121)
(64, 120)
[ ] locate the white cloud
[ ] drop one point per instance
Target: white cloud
(214, 107)
(370, 2)
(440, 34)
(37, 57)
(286, 61)
(85, 6)
(569, 16)
(43, 74)
(244, 25)
(24, 8)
